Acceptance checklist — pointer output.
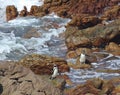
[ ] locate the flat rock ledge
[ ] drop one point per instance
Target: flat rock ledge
(18, 80)
(43, 64)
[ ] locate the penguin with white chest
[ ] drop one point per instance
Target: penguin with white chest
(55, 72)
(82, 57)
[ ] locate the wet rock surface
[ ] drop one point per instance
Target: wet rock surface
(18, 80)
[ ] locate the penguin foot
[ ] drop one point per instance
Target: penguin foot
(51, 78)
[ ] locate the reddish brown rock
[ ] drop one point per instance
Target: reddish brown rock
(11, 12)
(38, 11)
(42, 64)
(84, 21)
(98, 41)
(24, 12)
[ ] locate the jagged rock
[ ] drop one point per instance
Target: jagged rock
(18, 80)
(43, 64)
(24, 12)
(73, 8)
(84, 21)
(38, 11)
(34, 9)
(111, 13)
(11, 12)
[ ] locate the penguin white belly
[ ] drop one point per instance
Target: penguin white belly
(55, 73)
(82, 58)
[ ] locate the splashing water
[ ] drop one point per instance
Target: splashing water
(49, 27)
(19, 4)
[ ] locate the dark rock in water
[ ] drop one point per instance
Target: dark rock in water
(1, 89)
(43, 64)
(18, 80)
(32, 33)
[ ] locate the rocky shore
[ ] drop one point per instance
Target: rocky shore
(94, 27)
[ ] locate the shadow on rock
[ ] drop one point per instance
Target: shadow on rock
(1, 89)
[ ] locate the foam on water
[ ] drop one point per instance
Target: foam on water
(15, 43)
(80, 76)
(110, 62)
(23, 21)
(8, 44)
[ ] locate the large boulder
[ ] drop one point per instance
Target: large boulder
(11, 12)
(18, 80)
(43, 64)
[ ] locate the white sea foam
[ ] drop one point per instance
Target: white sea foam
(26, 21)
(39, 44)
(8, 43)
(80, 76)
(20, 3)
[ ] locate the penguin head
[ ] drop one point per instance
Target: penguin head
(54, 65)
(83, 51)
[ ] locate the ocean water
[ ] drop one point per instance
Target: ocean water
(14, 46)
